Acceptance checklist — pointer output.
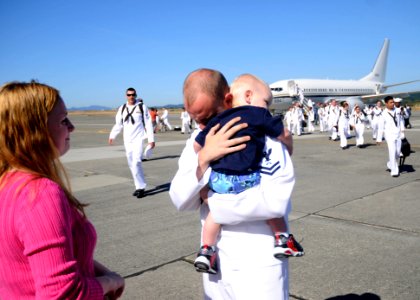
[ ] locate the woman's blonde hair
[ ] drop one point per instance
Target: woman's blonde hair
(25, 141)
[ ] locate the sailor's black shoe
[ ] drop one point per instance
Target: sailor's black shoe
(137, 192)
(140, 193)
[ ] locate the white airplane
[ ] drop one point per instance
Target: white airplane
(365, 90)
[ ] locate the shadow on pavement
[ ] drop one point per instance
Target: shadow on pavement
(365, 296)
(162, 157)
(158, 189)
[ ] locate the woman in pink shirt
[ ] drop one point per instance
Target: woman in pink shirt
(46, 241)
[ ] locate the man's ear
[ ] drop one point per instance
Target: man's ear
(227, 102)
(248, 97)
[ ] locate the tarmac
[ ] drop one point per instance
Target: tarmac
(358, 225)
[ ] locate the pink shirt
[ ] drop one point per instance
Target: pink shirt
(46, 247)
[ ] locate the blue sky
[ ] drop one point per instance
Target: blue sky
(93, 50)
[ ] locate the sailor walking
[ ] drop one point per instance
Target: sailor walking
(332, 119)
(297, 117)
(165, 118)
(322, 118)
(357, 120)
(288, 118)
(311, 119)
(368, 110)
(343, 124)
(135, 119)
(393, 124)
(185, 121)
(377, 123)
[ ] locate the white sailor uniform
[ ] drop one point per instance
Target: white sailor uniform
(343, 126)
(332, 120)
(368, 112)
(394, 131)
(377, 124)
(311, 120)
(185, 122)
(297, 117)
(322, 119)
(288, 119)
(244, 219)
(357, 121)
(137, 124)
(165, 120)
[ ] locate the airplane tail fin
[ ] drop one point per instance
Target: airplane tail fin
(379, 69)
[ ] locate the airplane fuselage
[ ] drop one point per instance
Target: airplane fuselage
(321, 90)
(366, 90)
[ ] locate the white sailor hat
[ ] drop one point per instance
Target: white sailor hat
(397, 99)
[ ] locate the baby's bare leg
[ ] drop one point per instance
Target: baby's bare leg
(210, 231)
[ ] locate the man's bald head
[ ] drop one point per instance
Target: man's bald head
(207, 81)
(205, 91)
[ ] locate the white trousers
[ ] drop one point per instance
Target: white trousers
(268, 283)
(369, 122)
(333, 131)
(342, 131)
(394, 149)
(185, 126)
(311, 127)
(133, 152)
(322, 125)
(166, 122)
(251, 274)
(359, 129)
(377, 129)
(296, 127)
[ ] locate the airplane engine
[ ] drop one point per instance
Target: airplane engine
(352, 101)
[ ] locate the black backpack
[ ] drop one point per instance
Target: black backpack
(405, 147)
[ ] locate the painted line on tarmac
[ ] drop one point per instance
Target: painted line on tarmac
(94, 153)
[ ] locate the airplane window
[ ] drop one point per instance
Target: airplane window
(277, 89)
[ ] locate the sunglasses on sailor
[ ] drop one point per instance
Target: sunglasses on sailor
(131, 95)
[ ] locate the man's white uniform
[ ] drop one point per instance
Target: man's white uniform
(288, 119)
(322, 119)
(247, 268)
(131, 119)
(394, 130)
(311, 120)
(369, 112)
(186, 121)
(377, 124)
(332, 120)
(343, 126)
(165, 120)
(357, 120)
(297, 117)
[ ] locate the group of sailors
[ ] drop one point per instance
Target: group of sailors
(337, 119)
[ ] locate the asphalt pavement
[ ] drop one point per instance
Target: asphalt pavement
(358, 225)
